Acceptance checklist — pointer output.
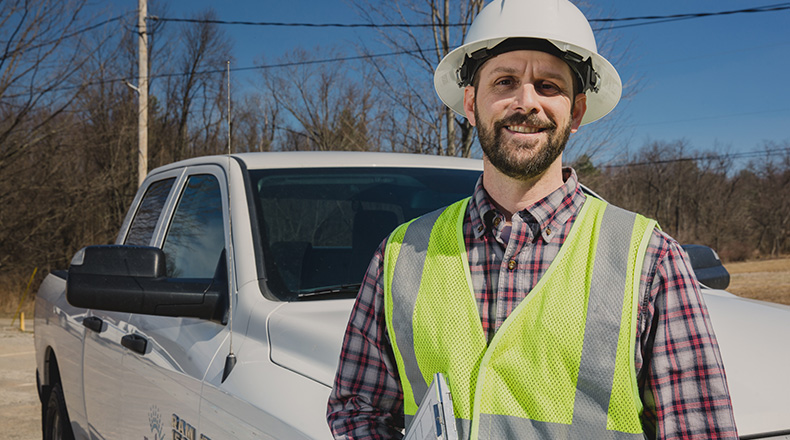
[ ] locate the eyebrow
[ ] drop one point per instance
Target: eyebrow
(504, 69)
(546, 73)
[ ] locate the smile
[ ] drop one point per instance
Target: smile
(524, 129)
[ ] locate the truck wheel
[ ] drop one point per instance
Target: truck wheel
(56, 419)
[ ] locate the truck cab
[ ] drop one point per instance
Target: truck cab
(267, 252)
(220, 309)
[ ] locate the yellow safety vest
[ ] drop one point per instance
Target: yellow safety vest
(560, 366)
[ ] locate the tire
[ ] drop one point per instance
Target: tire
(56, 424)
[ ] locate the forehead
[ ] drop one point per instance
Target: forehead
(528, 61)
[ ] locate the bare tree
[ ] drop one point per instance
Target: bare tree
(427, 126)
(37, 67)
(44, 46)
(328, 105)
(254, 123)
(700, 197)
(68, 124)
(194, 103)
(768, 200)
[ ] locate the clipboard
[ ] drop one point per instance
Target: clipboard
(435, 419)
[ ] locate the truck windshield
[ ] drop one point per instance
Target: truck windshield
(319, 227)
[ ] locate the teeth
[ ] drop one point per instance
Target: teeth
(523, 129)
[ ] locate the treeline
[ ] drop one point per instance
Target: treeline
(68, 128)
(742, 211)
(69, 116)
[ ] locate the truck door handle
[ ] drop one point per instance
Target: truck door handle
(135, 343)
(93, 323)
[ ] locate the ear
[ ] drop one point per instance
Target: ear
(469, 104)
(579, 109)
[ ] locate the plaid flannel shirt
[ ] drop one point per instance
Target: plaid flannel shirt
(679, 370)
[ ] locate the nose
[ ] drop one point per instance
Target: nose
(526, 99)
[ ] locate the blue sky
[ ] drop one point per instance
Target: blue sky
(717, 82)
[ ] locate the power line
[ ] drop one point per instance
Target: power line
(648, 19)
(299, 24)
(658, 19)
(674, 17)
(743, 155)
(766, 8)
(236, 69)
(332, 60)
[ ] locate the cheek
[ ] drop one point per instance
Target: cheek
(560, 110)
(492, 108)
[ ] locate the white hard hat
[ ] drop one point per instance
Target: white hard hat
(529, 24)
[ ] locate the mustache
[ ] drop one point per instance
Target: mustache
(525, 119)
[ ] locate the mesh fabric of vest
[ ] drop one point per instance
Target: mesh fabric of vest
(531, 367)
(445, 302)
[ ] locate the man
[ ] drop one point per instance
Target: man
(552, 314)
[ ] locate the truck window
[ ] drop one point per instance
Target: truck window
(196, 237)
(319, 227)
(144, 222)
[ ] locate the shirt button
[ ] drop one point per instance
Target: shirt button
(548, 231)
(497, 220)
(480, 228)
(511, 264)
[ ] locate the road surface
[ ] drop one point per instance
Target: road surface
(20, 410)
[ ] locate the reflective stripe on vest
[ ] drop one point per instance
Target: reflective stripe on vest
(552, 370)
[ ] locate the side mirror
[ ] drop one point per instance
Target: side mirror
(707, 266)
(132, 279)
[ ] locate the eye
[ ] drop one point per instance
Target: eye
(548, 88)
(505, 81)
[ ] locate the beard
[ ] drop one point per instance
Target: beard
(510, 158)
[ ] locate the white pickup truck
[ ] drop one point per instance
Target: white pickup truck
(220, 310)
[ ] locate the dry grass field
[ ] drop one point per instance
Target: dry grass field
(767, 280)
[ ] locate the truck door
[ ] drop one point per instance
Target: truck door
(165, 370)
(102, 359)
(103, 350)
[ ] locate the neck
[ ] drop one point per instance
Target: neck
(513, 195)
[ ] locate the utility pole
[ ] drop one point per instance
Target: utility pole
(142, 84)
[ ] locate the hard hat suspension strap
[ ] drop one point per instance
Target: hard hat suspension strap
(587, 78)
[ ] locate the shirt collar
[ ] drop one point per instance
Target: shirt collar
(549, 213)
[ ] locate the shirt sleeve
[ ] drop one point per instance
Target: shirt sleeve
(682, 381)
(366, 401)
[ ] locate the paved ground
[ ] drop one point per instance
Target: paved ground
(20, 410)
